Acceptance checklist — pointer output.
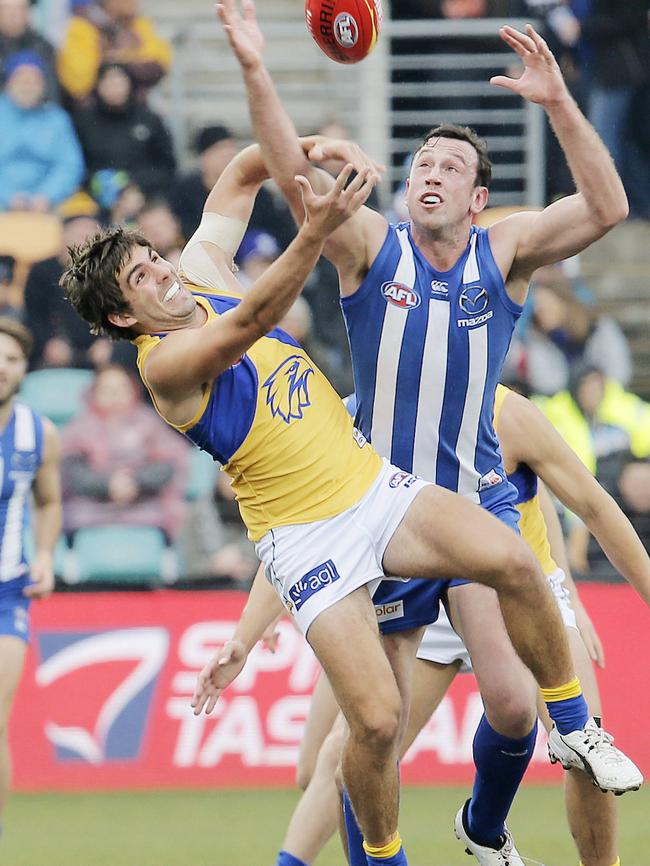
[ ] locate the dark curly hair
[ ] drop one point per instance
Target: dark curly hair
(90, 280)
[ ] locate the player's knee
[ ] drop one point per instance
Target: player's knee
(378, 725)
(520, 567)
(304, 774)
(513, 715)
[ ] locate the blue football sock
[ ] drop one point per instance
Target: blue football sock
(500, 766)
(569, 715)
(356, 854)
(286, 859)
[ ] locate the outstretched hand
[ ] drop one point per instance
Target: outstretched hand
(542, 80)
(243, 32)
(224, 666)
(344, 150)
(325, 213)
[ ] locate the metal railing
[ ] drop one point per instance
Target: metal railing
(421, 73)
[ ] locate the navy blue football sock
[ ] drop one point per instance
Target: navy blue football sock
(286, 859)
(356, 853)
(500, 766)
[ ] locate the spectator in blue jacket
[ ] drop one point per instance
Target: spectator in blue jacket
(41, 163)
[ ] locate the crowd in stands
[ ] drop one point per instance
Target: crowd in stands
(81, 147)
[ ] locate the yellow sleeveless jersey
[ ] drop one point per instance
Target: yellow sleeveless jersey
(279, 429)
(531, 520)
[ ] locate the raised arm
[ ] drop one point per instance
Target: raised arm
(351, 249)
(526, 241)
(179, 367)
(586, 627)
(529, 437)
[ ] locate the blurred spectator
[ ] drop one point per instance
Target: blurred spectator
(634, 497)
(256, 252)
(564, 332)
(215, 147)
(159, 224)
(121, 463)
(603, 423)
(16, 34)
(118, 132)
(111, 31)
(40, 159)
(618, 37)
(8, 290)
(119, 198)
(214, 543)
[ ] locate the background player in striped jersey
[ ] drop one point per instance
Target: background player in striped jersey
(328, 515)
(29, 464)
(531, 449)
(430, 306)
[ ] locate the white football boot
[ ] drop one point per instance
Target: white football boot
(506, 855)
(592, 750)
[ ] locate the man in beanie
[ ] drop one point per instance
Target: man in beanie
(40, 159)
(17, 34)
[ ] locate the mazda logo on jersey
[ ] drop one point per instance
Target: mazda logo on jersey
(400, 295)
(474, 300)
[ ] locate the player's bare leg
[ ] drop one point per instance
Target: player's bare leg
(431, 681)
(443, 535)
(316, 817)
(323, 711)
(12, 657)
(465, 541)
(590, 813)
(346, 641)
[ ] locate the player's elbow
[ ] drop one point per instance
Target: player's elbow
(616, 211)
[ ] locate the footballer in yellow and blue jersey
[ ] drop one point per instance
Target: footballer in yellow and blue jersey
(278, 428)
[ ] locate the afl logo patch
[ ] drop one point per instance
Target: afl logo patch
(474, 300)
(346, 30)
(400, 295)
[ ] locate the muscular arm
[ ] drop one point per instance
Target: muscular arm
(527, 436)
(350, 249)
(526, 241)
(180, 366)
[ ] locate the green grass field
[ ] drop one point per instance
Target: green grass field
(245, 828)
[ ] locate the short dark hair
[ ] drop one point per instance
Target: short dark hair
(90, 280)
(21, 334)
(463, 133)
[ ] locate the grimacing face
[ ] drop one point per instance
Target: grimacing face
(13, 367)
(158, 299)
(441, 187)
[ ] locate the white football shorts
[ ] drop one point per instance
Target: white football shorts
(314, 565)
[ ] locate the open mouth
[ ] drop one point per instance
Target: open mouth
(172, 291)
(430, 199)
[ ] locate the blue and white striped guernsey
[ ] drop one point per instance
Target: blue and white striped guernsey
(427, 351)
(21, 446)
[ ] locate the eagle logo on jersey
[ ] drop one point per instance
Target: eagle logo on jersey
(474, 300)
(287, 392)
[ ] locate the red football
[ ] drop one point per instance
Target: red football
(346, 30)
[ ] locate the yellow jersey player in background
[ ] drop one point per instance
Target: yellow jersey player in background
(328, 515)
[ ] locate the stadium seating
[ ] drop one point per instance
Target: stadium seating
(203, 471)
(56, 393)
(124, 555)
(27, 237)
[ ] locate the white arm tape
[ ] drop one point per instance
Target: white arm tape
(220, 231)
